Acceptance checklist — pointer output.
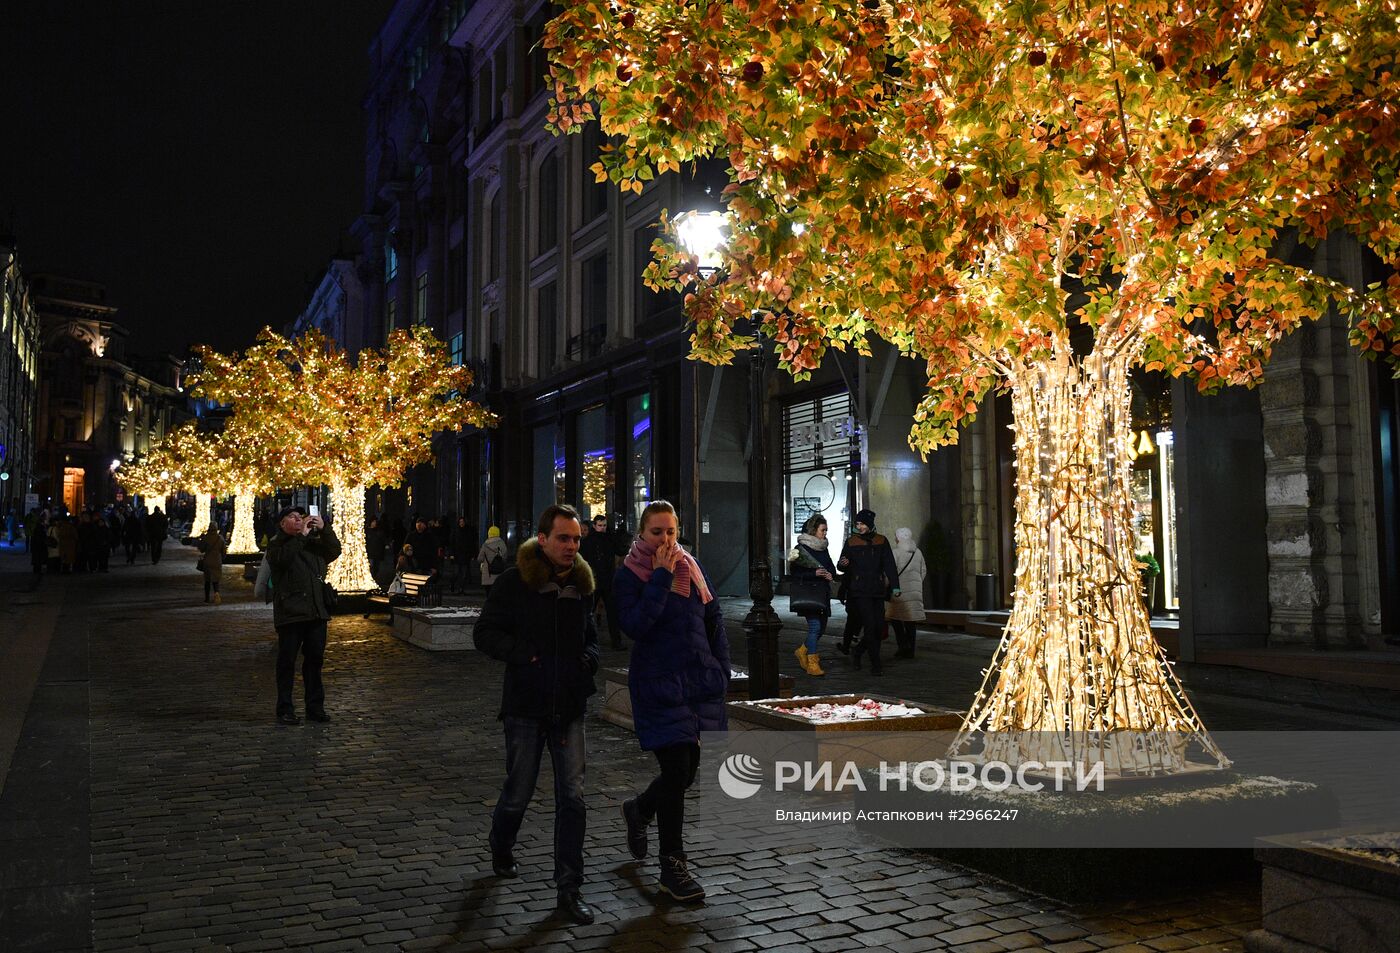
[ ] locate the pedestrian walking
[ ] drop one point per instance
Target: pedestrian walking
(37, 533)
(87, 552)
(491, 558)
(538, 619)
(871, 577)
(298, 554)
(132, 535)
(600, 551)
(905, 611)
(375, 541)
(461, 549)
(101, 543)
(677, 678)
(213, 547)
(65, 534)
(157, 527)
(811, 571)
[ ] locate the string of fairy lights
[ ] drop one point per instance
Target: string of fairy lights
(1078, 675)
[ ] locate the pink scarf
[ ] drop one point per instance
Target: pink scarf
(639, 560)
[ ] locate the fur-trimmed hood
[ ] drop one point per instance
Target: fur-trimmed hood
(534, 569)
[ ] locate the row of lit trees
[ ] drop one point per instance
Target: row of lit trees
(305, 412)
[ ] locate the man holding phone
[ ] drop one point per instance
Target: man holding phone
(298, 556)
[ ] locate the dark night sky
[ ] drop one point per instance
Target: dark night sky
(200, 158)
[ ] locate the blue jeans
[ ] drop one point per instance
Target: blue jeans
(816, 627)
(526, 739)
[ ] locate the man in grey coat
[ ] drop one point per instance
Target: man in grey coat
(298, 556)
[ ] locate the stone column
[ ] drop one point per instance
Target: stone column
(1319, 486)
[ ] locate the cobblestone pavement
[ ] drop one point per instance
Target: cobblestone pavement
(180, 818)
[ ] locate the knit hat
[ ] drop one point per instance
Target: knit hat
(288, 511)
(867, 517)
(493, 532)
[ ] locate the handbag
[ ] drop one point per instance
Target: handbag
(809, 596)
(199, 565)
(329, 597)
(397, 588)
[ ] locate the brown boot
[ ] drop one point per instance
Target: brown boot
(814, 665)
(801, 654)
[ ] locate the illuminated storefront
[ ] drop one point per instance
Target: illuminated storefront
(821, 462)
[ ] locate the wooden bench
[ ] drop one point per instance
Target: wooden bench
(419, 590)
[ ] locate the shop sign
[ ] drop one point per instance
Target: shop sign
(834, 430)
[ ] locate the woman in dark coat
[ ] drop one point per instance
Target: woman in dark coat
(810, 561)
(212, 545)
(678, 678)
(38, 536)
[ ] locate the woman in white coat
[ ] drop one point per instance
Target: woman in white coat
(491, 558)
(905, 611)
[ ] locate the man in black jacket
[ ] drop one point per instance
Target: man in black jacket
(297, 558)
(156, 528)
(538, 619)
(600, 551)
(871, 578)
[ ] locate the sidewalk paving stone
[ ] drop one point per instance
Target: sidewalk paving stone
(208, 827)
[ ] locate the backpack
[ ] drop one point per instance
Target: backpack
(497, 565)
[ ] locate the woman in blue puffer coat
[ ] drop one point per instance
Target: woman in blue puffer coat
(678, 678)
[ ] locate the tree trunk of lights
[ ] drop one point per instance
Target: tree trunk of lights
(201, 514)
(1078, 675)
(351, 572)
(244, 540)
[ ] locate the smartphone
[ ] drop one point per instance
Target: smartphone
(313, 510)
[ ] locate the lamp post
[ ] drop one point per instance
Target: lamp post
(702, 234)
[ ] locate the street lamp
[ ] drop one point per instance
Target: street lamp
(702, 234)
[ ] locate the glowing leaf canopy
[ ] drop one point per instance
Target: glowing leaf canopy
(975, 180)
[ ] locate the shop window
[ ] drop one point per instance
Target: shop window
(548, 467)
(821, 453)
(639, 462)
(596, 463)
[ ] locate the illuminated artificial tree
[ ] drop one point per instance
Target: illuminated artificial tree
(307, 413)
(1035, 198)
(184, 460)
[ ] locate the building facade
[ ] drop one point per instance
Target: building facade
(1272, 513)
(337, 306)
(19, 382)
(98, 406)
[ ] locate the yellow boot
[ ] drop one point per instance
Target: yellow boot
(801, 654)
(814, 665)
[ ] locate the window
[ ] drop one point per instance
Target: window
(420, 299)
(391, 258)
(496, 239)
(595, 302)
(549, 204)
(650, 304)
(595, 194)
(501, 70)
(391, 314)
(548, 305)
(456, 349)
(454, 278)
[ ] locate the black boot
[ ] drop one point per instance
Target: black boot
(636, 828)
(676, 879)
(855, 656)
(503, 864)
(572, 906)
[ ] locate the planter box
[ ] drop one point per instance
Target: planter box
(438, 630)
(617, 702)
(1334, 891)
(866, 742)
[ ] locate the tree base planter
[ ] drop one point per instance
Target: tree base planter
(238, 559)
(1066, 845)
(1332, 891)
(617, 701)
(865, 742)
(437, 630)
(351, 603)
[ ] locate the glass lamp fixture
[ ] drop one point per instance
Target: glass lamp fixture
(703, 234)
